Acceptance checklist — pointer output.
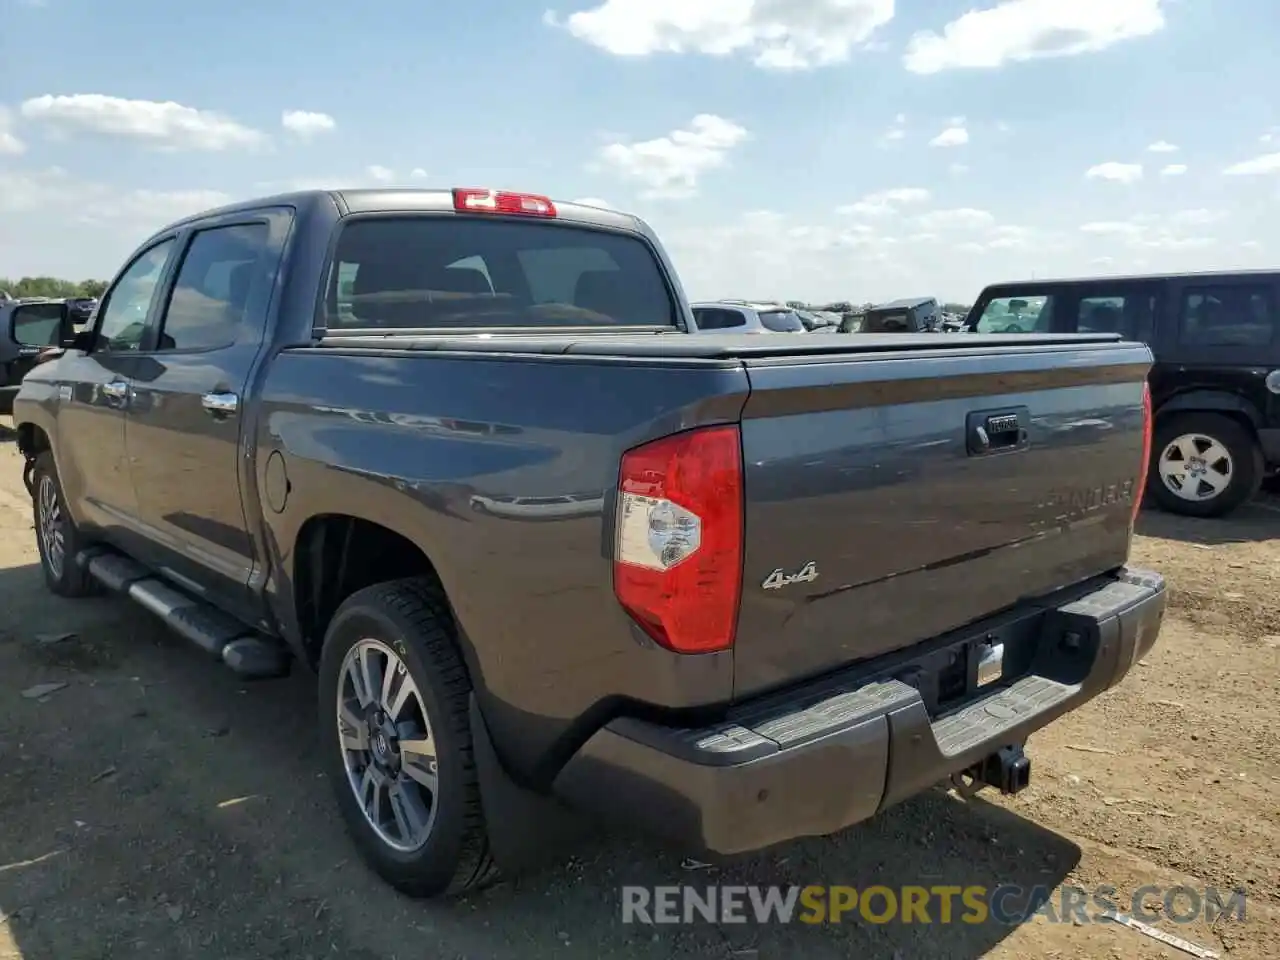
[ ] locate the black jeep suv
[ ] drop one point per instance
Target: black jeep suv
(1216, 380)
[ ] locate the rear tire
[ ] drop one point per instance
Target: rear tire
(1226, 465)
(382, 766)
(57, 537)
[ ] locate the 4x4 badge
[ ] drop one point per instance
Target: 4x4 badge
(778, 579)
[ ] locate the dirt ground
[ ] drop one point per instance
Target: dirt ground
(156, 807)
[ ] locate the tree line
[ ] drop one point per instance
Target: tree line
(52, 287)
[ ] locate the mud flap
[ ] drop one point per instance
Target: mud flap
(526, 829)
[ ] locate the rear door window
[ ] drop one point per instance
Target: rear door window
(717, 318)
(1025, 313)
(1128, 313)
(208, 305)
(1241, 315)
(456, 272)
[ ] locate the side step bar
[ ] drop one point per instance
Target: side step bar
(246, 653)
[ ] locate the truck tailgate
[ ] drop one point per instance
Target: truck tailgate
(893, 497)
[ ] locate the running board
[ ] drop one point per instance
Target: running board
(246, 653)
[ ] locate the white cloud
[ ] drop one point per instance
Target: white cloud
(54, 190)
(884, 202)
(776, 34)
(1157, 231)
(380, 174)
(896, 132)
(10, 145)
(1197, 217)
(152, 208)
(1019, 30)
(960, 218)
(306, 124)
(1173, 170)
(1163, 146)
(671, 166)
(417, 173)
(1110, 228)
(166, 125)
(1116, 172)
(1267, 163)
(954, 136)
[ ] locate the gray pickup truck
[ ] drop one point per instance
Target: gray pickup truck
(548, 555)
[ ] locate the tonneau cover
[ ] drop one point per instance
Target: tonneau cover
(713, 346)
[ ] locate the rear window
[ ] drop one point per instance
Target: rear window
(896, 321)
(453, 272)
(782, 321)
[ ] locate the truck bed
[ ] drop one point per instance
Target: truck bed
(858, 462)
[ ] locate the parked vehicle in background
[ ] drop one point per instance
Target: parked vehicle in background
(851, 322)
(80, 309)
(742, 316)
(816, 322)
(913, 315)
(1216, 379)
(26, 327)
(457, 452)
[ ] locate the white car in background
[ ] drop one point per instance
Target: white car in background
(742, 316)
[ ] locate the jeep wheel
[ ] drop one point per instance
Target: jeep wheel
(57, 538)
(394, 700)
(1204, 465)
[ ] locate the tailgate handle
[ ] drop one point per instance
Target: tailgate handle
(997, 431)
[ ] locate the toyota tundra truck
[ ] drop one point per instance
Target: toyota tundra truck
(551, 559)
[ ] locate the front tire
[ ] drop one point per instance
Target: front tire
(1204, 465)
(396, 736)
(57, 537)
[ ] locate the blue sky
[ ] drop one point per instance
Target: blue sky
(812, 149)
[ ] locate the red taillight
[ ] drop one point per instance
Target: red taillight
(677, 566)
(1146, 450)
(475, 200)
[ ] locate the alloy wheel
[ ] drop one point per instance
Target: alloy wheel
(388, 749)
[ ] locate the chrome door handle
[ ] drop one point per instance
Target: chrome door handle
(220, 404)
(116, 389)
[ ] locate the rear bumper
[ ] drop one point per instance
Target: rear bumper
(816, 759)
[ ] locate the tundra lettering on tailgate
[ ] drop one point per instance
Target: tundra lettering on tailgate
(1072, 503)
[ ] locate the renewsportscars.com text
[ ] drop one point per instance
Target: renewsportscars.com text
(1009, 904)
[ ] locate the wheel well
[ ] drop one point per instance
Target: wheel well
(31, 439)
(338, 555)
(1239, 416)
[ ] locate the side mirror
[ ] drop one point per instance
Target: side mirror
(39, 325)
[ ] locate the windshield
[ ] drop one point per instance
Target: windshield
(451, 272)
(782, 321)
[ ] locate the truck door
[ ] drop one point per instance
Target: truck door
(187, 422)
(94, 396)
